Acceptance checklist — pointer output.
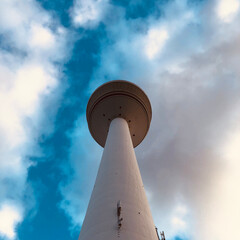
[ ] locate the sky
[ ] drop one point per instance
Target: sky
(184, 54)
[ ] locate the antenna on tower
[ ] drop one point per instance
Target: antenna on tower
(162, 235)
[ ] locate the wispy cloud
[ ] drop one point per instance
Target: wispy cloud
(84, 159)
(155, 42)
(88, 13)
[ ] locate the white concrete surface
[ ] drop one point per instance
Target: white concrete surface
(118, 179)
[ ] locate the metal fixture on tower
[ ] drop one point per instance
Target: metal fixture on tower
(119, 115)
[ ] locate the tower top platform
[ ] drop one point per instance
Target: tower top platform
(119, 99)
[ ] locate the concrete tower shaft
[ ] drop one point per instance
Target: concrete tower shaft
(118, 180)
(118, 208)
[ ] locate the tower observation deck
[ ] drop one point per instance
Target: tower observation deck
(119, 115)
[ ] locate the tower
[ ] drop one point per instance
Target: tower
(119, 115)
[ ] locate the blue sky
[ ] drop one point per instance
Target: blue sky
(184, 54)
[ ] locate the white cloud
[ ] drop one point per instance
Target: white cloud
(227, 9)
(32, 81)
(223, 211)
(10, 15)
(155, 41)
(89, 13)
(29, 51)
(41, 37)
(178, 223)
(10, 216)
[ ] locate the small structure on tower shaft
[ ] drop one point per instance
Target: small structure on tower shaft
(119, 115)
(162, 235)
